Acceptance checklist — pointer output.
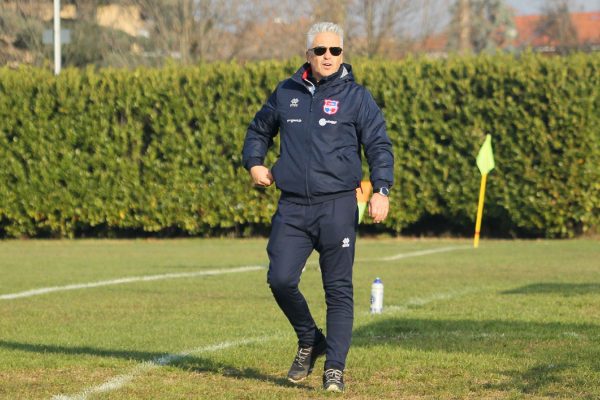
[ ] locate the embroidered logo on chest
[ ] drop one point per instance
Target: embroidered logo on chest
(330, 106)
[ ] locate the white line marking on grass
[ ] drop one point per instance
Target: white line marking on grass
(421, 301)
(122, 380)
(411, 254)
(422, 253)
(37, 292)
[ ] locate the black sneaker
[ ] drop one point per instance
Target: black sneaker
(305, 359)
(333, 380)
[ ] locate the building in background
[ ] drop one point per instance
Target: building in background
(540, 33)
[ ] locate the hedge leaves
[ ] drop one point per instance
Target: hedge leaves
(159, 149)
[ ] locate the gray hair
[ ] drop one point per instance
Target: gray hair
(324, 27)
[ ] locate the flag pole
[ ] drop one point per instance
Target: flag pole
(485, 163)
(480, 210)
(57, 49)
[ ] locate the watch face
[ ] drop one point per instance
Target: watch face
(384, 191)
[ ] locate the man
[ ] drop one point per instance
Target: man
(324, 118)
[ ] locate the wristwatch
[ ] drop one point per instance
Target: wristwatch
(384, 191)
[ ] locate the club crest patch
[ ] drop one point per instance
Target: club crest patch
(330, 106)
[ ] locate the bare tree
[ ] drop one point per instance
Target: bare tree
(330, 10)
(21, 28)
(432, 16)
(126, 33)
(479, 25)
(203, 30)
(182, 29)
(86, 9)
(380, 27)
(557, 25)
(464, 35)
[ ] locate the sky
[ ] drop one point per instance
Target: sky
(525, 7)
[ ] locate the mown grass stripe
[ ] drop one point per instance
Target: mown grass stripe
(40, 291)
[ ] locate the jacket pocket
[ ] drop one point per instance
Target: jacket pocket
(275, 168)
(352, 165)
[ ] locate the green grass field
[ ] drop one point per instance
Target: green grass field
(510, 320)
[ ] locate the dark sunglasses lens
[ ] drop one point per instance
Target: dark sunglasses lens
(319, 51)
(335, 51)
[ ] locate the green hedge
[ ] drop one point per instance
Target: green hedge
(160, 149)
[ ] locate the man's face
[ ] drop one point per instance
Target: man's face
(326, 64)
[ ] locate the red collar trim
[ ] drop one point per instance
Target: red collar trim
(306, 72)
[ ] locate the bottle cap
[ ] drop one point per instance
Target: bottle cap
(377, 280)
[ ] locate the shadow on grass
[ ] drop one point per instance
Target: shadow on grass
(470, 336)
(533, 379)
(565, 289)
(544, 353)
(188, 363)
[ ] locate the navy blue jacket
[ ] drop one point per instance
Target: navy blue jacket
(322, 127)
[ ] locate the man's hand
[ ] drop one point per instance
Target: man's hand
(379, 207)
(261, 175)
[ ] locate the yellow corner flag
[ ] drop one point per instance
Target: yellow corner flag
(362, 196)
(485, 157)
(485, 163)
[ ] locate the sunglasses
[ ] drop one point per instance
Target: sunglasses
(320, 50)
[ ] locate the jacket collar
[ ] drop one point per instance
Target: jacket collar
(303, 74)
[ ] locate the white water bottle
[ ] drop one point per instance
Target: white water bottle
(377, 296)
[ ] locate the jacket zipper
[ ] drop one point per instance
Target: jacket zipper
(310, 145)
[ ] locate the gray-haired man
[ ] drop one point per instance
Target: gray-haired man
(324, 118)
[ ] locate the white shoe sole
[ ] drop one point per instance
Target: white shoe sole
(334, 388)
(296, 380)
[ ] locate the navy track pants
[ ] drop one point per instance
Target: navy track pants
(330, 228)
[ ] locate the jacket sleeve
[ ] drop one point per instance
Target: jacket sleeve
(260, 134)
(376, 143)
